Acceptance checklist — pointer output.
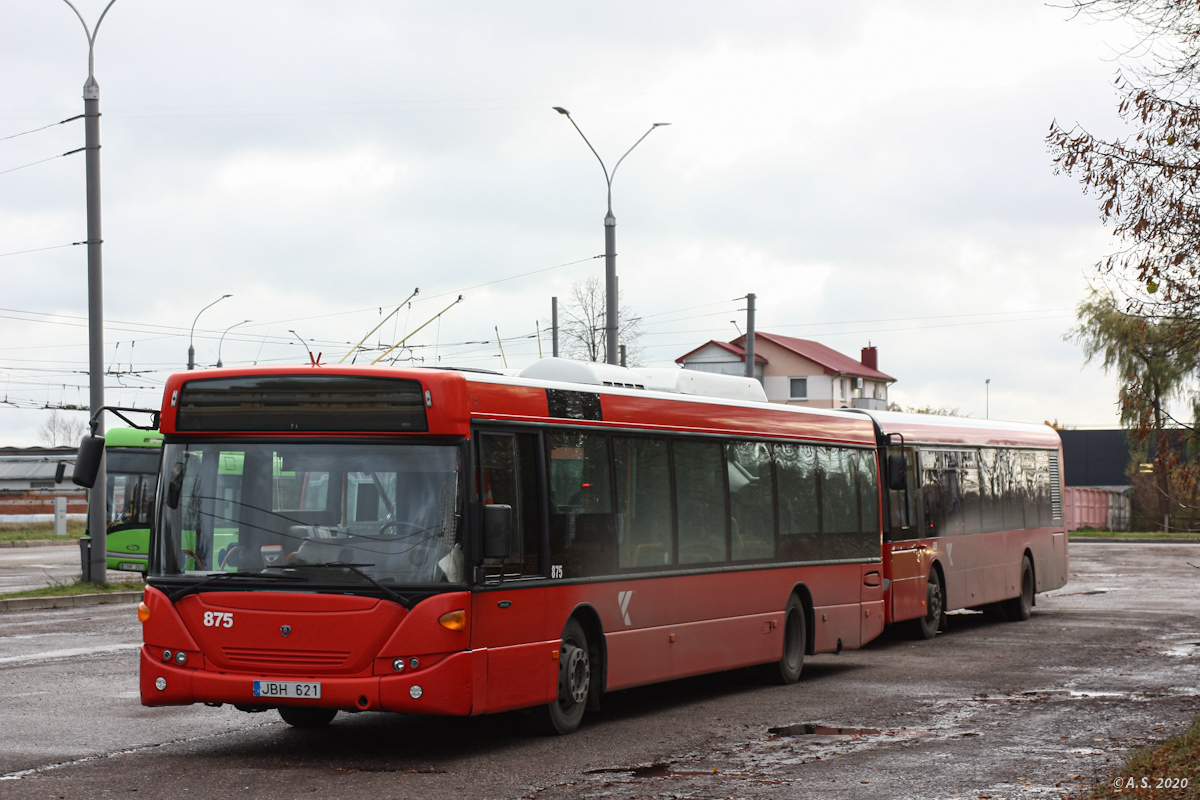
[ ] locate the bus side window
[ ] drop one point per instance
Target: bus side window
(799, 509)
(752, 500)
(508, 476)
(583, 528)
(931, 495)
(903, 521)
(991, 496)
(700, 499)
(643, 502)
(868, 496)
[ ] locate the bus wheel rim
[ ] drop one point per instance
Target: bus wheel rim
(578, 673)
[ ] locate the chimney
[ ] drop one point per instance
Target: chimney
(870, 357)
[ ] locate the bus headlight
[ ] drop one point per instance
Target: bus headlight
(181, 658)
(398, 665)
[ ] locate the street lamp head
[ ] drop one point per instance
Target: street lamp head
(659, 124)
(562, 111)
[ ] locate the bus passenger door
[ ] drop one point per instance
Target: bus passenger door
(903, 565)
(871, 624)
(508, 621)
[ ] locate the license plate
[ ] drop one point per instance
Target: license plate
(289, 689)
(131, 566)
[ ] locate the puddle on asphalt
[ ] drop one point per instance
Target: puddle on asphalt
(1181, 645)
(659, 770)
(817, 729)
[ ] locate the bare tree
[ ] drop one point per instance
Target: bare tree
(582, 331)
(1148, 183)
(60, 430)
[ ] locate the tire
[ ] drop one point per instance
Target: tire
(575, 677)
(305, 717)
(795, 638)
(1020, 607)
(935, 609)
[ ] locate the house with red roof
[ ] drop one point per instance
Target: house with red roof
(799, 371)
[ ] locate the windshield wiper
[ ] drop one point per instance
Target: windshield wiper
(186, 590)
(355, 569)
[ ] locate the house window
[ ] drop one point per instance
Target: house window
(799, 389)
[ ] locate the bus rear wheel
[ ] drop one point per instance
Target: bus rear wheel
(935, 609)
(304, 717)
(1021, 606)
(789, 666)
(575, 678)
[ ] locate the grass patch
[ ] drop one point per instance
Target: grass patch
(1183, 536)
(1165, 768)
(32, 531)
(66, 589)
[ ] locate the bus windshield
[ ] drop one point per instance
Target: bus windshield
(392, 512)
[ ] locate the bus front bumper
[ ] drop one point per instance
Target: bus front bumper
(443, 688)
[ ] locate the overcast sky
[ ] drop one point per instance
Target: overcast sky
(873, 171)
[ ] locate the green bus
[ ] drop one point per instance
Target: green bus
(132, 457)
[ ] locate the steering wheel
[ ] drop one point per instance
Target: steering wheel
(397, 523)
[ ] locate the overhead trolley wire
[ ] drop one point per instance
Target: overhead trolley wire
(44, 160)
(40, 249)
(44, 127)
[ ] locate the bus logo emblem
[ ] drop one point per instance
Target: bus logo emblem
(285, 629)
(623, 601)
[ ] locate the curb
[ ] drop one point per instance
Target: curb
(68, 601)
(65, 541)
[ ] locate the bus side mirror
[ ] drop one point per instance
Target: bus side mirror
(497, 530)
(896, 472)
(87, 461)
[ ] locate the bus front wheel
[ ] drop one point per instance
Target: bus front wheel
(787, 670)
(935, 609)
(575, 678)
(303, 717)
(1021, 606)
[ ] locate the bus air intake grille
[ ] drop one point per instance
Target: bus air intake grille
(246, 656)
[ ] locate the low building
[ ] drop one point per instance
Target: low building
(799, 371)
(27, 486)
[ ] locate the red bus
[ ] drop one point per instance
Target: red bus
(973, 517)
(440, 541)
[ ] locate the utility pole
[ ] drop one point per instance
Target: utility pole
(750, 373)
(554, 325)
(97, 524)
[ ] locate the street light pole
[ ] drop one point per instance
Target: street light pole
(97, 524)
(221, 343)
(191, 348)
(987, 399)
(610, 242)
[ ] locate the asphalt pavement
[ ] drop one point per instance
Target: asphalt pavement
(1041, 708)
(24, 568)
